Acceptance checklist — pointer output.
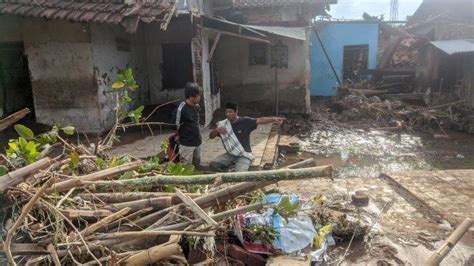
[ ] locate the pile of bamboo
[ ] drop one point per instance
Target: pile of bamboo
(55, 217)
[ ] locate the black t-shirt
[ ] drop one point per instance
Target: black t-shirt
(242, 129)
(189, 132)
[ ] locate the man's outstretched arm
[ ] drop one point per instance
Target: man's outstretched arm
(268, 120)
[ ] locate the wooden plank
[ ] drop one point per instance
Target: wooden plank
(214, 46)
(446, 194)
(196, 209)
(271, 149)
(13, 118)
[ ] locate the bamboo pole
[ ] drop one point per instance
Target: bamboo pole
(156, 203)
(129, 196)
(257, 176)
(104, 222)
(448, 245)
(153, 255)
(16, 177)
(196, 209)
(147, 234)
(77, 182)
(13, 118)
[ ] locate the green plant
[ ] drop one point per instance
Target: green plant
(124, 85)
(179, 169)
(264, 233)
(286, 209)
(27, 148)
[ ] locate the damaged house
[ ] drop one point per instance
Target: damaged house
(445, 63)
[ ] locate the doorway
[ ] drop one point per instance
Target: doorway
(355, 60)
(177, 65)
(15, 84)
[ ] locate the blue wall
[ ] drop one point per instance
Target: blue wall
(334, 37)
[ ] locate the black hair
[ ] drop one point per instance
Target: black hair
(191, 90)
(232, 106)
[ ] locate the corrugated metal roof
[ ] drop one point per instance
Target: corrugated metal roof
(290, 32)
(100, 11)
(455, 46)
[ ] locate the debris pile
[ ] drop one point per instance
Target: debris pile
(390, 111)
(84, 206)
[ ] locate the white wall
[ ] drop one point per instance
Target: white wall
(61, 66)
(178, 32)
(244, 83)
(108, 61)
(211, 102)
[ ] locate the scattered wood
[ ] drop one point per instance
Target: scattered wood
(104, 222)
(196, 209)
(154, 254)
(73, 214)
(79, 181)
(25, 249)
(129, 196)
(13, 118)
(155, 203)
(16, 177)
(146, 234)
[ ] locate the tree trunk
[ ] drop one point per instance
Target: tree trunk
(20, 175)
(273, 175)
(13, 118)
(77, 182)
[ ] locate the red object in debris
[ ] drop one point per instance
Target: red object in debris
(360, 199)
(173, 149)
(245, 256)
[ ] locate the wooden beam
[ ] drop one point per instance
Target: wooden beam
(26, 249)
(214, 46)
(13, 118)
(196, 209)
(237, 35)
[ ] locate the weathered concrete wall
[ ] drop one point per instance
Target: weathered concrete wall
(10, 28)
(253, 86)
(178, 32)
(62, 77)
(108, 61)
(211, 101)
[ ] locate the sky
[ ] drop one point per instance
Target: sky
(353, 9)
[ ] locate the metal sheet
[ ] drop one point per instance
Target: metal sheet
(290, 32)
(455, 46)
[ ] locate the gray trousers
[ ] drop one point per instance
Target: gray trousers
(226, 161)
(190, 155)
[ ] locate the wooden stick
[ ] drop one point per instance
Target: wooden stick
(153, 255)
(257, 176)
(129, 196)
(24, 212)
(156, 203)
(73, 214)
(13, 118)
(77, 182)
(16, 177)
(104, 222)
(130, 218)
(54, 255)
(25, 249)
(147, 234)
(440, 254)
(196, 209)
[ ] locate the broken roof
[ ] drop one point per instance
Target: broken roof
(289, 32)
(272, 3)
(455, 46)
(99, 11)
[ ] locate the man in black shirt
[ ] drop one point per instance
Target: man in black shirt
(235, 135)
(187, 123)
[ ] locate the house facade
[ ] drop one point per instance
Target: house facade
(445, 63)
(60, 57)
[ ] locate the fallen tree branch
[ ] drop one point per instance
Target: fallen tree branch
(13, 118)
(16, 177)
(196, 209)
(257, 176)
(145, 234)
(24, 212)
(77, 182)
(129, 196)
(104, 222)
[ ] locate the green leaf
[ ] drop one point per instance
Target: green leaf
(287, 209)
(127, 175)
(74, 156)
(113, 163)
(3, 170)
(69, 130)
(24, 131)
(121, 76)
(100, 163)
(128, 73)
(118, 85)
(133, 87)
(188, 170)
